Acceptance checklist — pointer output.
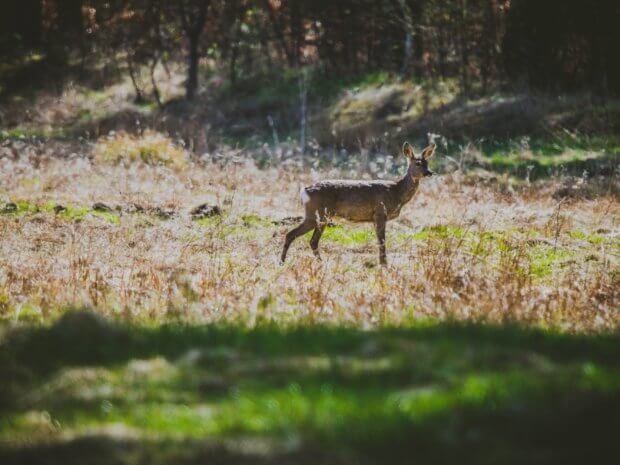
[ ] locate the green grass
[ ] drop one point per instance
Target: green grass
(209, 221)
(97, 96)
(364, 235)
(538, 261)
(68, 213)
(278, 90)
(543, 258)
(544, 156)
(348, 236)
(23, 132)
(437, 232)
(255, 221)
(415, 393)
(592, 238)
(243, 227)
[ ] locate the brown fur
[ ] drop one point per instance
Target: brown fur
(360, 201)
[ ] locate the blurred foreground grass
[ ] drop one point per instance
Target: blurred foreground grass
(87, 391)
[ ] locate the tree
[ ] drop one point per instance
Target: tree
(20, 22)
(564, 44)
(193, 15)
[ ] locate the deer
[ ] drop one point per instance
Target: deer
(376, 201)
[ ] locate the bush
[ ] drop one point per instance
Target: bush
(151, 147)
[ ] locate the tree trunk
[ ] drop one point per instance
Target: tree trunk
(442, 52)
(463, 48)
(408, 49)
(192, 69)
(134, 80)
(193, 21)
(489, 43)
(233, 63)
(156, 92)
(303, 96)
(70, 18)
(23, 18)
(296, 32)
(278, 30)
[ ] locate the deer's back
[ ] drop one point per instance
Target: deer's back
(352, 200)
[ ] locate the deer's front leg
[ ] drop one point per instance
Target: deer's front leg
(380, 220)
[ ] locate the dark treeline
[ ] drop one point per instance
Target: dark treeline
(552, 45)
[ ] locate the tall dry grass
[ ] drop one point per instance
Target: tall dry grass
(460, 250)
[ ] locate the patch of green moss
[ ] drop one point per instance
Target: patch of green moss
(29, 313)
(110, 217)
(347, 236)
(23, 207)
(31, 132)
(209, 221)
(592, 238)
(543, 258)
(5, 305)
(438, 231)
(66, 212)
(97, 96)
(256, 221)
(18, 208)
(73, 213)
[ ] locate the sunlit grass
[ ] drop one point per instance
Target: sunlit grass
(151, 148)
(458, 251)
(64, 212)
(349, 236)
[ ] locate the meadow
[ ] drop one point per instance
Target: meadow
(145, 317)
(139, 329)
(121, 238)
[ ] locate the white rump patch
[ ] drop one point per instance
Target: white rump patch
(305, 198)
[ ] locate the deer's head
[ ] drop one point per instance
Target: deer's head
(418, 164)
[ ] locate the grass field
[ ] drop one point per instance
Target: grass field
(491, 336)
(461, 250)
(339, 361)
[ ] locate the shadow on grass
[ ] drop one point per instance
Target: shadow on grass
(87, 391)
(605, 164)
(532, 136)
(23, 77)
(510, 116)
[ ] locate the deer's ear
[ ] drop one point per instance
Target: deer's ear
(408, 150)
(429, 151)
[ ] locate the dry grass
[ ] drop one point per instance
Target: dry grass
(150, 147)
(458, 251)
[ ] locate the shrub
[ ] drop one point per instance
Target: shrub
(151, 147)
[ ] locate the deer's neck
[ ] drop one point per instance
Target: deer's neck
(406, 188)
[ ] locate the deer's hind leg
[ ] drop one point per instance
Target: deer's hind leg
(316, 237)
(293, 234)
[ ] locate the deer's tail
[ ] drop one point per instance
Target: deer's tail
(303, 195)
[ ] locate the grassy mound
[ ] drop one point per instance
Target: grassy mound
(152, 148)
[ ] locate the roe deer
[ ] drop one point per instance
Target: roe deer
(360, 201)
